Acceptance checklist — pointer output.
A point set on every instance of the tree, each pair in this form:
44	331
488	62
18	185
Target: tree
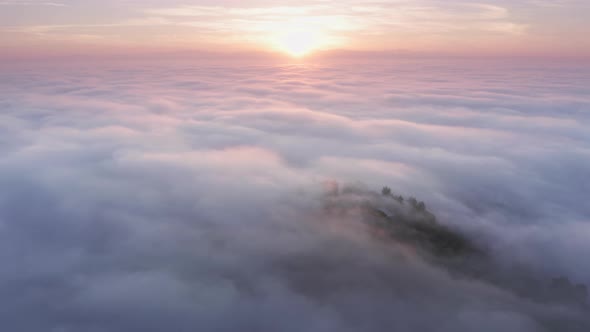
386	191
421	206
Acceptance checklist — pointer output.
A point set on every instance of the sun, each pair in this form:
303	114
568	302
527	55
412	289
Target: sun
298	43
299	36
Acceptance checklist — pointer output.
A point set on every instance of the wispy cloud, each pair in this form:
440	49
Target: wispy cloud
30	3
381	25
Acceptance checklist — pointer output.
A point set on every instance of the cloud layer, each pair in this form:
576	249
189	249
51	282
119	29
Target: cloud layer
159	197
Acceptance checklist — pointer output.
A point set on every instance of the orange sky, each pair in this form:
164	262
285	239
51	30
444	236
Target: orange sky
297	28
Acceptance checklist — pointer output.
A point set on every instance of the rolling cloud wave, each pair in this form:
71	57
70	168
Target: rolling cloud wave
177	197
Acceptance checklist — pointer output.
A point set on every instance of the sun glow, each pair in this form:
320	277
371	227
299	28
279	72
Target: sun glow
300	33
301	36
298	42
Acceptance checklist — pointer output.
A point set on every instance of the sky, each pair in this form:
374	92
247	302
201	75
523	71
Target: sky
433	27
221	169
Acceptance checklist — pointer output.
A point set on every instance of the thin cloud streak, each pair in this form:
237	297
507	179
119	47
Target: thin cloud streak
425	26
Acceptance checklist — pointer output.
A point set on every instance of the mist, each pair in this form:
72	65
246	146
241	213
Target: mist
183	197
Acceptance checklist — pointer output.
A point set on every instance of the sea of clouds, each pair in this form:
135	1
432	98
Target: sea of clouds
188	197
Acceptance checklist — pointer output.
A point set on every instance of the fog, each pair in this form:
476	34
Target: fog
184	197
